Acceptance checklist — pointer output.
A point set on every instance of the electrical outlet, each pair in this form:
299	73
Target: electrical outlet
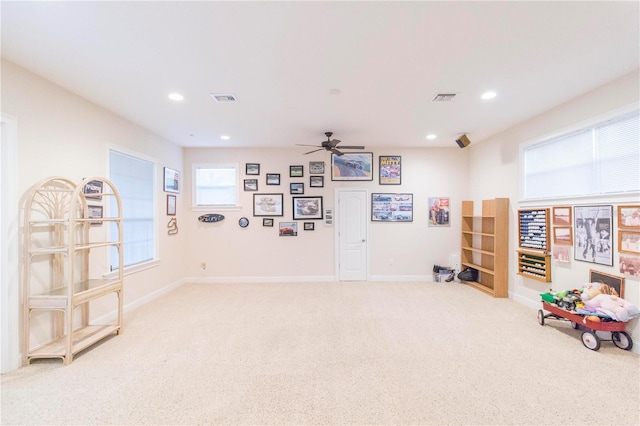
203	265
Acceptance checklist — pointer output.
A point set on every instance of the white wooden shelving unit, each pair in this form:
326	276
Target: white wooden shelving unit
61	242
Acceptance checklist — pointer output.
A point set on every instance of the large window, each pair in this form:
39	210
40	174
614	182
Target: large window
600	159
215	185
134	179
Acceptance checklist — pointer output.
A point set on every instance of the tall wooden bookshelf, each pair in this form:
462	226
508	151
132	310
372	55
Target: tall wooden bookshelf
485	244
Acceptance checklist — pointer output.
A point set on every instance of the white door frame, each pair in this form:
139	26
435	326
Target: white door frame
336	217
9	242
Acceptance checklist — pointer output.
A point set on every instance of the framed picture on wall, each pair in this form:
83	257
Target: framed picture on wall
252	169
316	167
316	181
171	180
439	212
251	184
611	280
562	216
267	204
389	172
93	190
629	217
562	235
392	207
95	212
171	205
629	241
352	166
593	234
296	171
296	188
288	229
273	178
307	208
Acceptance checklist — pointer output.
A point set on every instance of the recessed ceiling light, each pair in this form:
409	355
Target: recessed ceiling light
488	95
225	137
334	91
176	97
431	136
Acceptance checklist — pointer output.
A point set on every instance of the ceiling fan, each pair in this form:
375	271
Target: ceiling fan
330	145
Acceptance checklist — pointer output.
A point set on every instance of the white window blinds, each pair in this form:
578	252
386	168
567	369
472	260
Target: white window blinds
600	159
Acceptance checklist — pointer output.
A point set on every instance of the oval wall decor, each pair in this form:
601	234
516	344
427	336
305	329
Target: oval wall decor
211	217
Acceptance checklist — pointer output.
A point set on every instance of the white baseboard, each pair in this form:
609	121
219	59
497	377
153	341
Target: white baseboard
296	279
112	316
401	278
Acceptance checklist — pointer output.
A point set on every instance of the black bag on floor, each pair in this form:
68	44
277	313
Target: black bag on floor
468	274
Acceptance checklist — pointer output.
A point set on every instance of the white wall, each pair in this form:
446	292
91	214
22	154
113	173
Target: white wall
61	134
494	172
397	250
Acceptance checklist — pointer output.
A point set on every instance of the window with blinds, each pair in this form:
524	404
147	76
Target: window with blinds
215	185
134	179
598	160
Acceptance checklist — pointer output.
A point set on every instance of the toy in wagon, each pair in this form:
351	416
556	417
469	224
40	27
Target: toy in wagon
596	307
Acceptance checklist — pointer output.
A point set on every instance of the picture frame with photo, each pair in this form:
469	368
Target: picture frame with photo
251	184
611	280
288	229
171	180
171	205
629	266
296	188
352	166
268	204
563	235
273	178
307	208
95	212
92	190
439	211
593	234
389	170
391	207
628	241
562	216
629	217
316	167
252	169
268	222
296	171
309	226
316	181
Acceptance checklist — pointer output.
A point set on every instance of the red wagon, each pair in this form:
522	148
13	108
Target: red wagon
590	339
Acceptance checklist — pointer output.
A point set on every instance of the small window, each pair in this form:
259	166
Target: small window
215	185
600	159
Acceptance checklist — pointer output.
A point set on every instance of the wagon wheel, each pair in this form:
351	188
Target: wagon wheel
622	340
541	317
590	340
575	325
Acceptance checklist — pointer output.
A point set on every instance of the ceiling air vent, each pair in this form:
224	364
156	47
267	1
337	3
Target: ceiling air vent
224	98
443	97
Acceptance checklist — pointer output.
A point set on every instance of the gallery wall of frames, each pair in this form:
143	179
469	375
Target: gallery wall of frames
584	233
304	179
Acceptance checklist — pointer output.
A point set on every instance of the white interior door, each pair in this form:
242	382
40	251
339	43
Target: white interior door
352	227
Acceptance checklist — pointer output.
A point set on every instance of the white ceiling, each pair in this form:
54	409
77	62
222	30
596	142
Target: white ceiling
282	59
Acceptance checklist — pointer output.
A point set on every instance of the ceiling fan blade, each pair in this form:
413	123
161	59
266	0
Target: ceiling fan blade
315	150
352	147
302	144
336	152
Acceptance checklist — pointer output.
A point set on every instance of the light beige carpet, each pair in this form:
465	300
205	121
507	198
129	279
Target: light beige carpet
329	354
